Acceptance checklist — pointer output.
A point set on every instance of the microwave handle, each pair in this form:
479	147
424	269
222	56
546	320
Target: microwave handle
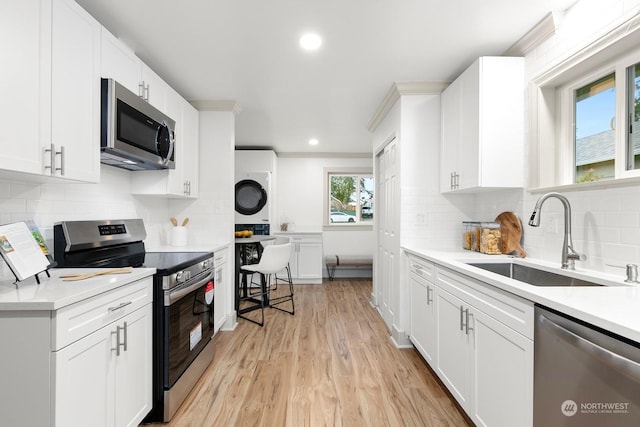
172	138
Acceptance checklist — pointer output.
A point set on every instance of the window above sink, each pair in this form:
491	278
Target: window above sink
585	127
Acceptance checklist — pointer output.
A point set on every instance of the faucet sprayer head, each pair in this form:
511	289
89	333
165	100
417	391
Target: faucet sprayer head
534	221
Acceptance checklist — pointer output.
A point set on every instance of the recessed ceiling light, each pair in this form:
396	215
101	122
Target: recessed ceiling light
310	41
313	141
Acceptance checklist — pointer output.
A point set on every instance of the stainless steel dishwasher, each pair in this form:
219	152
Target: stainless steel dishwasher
583	376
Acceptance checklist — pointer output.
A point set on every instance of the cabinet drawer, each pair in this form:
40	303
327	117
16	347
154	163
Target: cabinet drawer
509	309
422	268
82	318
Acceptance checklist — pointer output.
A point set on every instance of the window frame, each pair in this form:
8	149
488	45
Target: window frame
328	172
551	96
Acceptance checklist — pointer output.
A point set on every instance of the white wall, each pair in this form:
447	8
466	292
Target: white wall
300	200
606	222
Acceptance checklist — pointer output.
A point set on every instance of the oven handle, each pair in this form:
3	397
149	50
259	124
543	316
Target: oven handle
625	366
175	295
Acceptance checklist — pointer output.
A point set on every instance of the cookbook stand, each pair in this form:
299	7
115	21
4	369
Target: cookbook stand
36	275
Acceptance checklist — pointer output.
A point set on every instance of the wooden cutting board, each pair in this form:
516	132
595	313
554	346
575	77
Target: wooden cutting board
511	231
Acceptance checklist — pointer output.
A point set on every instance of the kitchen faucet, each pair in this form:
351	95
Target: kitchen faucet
569	255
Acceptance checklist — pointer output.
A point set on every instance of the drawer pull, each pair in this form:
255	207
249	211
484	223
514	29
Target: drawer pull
122	305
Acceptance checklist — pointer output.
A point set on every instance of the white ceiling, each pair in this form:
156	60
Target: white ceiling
247	51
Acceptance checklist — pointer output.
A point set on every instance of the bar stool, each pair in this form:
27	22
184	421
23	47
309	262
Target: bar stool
275	258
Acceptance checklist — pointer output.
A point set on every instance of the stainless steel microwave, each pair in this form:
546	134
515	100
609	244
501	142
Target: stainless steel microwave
134	135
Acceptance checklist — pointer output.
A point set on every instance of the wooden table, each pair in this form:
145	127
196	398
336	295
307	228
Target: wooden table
241	259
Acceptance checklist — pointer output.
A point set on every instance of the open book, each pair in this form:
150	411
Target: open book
23	249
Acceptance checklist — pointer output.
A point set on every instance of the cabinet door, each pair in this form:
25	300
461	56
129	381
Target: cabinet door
83	381
468	147
25	83
132	369
155	90
422	315
309	260
450	107
75	94
120	63
191	148
221	292
502	374
453	348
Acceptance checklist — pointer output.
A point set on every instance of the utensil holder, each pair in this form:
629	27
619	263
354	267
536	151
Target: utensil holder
179	236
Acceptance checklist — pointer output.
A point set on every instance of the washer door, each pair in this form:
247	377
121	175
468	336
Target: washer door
251	197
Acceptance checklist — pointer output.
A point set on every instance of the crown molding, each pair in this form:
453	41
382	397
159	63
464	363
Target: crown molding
399	89
221	105
330	155
540	32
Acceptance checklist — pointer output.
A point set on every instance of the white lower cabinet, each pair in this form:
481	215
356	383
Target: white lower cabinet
306	257
111	369
486	364
89	363
478	340
422	292
222	290
105	377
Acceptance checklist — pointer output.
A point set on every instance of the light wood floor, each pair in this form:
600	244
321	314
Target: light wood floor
332	364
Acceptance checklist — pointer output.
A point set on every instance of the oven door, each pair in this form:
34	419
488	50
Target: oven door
188	316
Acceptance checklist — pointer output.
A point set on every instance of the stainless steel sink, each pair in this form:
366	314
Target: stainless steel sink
532	276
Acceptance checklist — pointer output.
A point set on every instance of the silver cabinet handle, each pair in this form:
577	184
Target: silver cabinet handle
451	180
429	295
627	367
52	158
467	327
62	160
461	318
119	344
122	305
126	340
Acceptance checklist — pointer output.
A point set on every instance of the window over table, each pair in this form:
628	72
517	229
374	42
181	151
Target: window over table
349	198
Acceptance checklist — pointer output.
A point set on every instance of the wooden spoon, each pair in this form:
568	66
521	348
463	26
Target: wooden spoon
174	221
82	276
185	222
511	233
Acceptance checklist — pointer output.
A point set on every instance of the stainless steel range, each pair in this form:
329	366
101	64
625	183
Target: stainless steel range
183	300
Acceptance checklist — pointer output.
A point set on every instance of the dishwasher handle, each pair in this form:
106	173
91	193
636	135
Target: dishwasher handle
623	365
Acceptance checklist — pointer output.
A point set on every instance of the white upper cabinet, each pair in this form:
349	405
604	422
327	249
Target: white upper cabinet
183	180
75	92
50	89
154	90
25	28
483	127
120	63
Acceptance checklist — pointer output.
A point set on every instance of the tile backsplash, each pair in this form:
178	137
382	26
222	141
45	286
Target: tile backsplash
49	203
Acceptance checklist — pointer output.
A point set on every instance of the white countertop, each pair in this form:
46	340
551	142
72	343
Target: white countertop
615	307
53	293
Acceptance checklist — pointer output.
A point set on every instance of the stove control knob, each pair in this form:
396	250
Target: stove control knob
205	264
180	276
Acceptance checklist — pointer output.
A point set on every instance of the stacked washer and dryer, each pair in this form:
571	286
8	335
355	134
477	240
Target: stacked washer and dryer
255	190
